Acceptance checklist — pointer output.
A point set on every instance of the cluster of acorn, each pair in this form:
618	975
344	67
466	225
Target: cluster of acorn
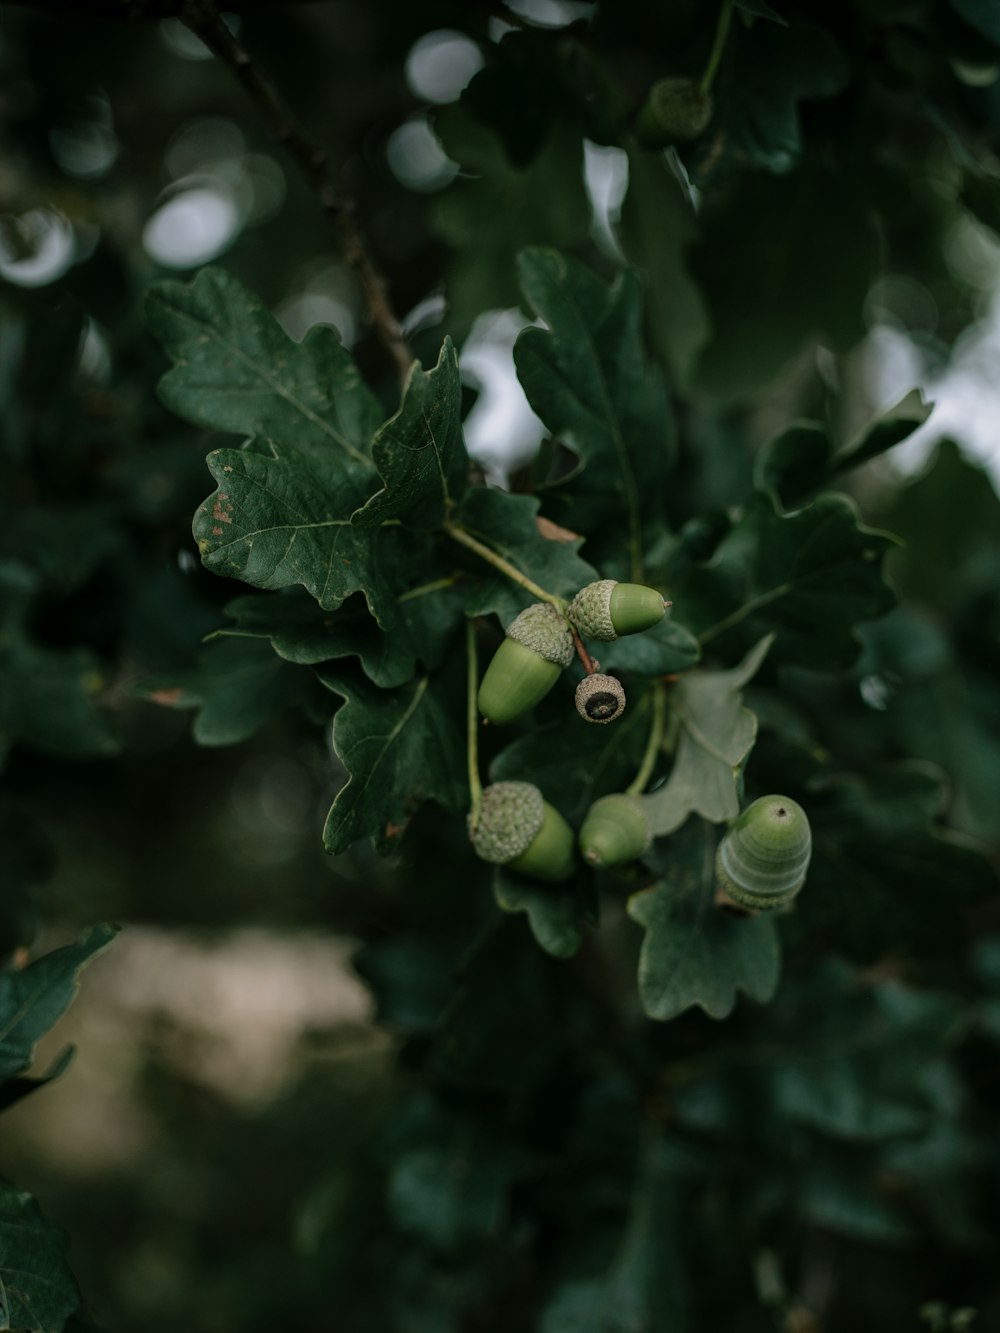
763	858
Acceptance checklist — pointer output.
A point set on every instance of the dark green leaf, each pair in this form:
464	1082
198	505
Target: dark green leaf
427	616
802	459
37	1290
280	518
15	1089
235	369
657	229
715	735
511	527
494	209
815	254
31	1000
554	912
48	697
400	748
589	379
664	650
759	9
239	685
694	953
809	577
420	453
774	69
981	14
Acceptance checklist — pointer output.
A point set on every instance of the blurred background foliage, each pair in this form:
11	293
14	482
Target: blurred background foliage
345	1093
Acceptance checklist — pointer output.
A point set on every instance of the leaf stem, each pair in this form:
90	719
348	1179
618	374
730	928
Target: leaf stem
653	743
718	46
741	613
436	585
466	539
205	21
472	726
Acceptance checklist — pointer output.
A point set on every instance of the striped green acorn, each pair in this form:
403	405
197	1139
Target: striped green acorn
675	110
600	698
762	861
539	644
606	609
517	828
615	830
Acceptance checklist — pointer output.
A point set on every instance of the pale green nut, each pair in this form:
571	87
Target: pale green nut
600	698
615	830
674	111
606	609
517	828
538	646
762	861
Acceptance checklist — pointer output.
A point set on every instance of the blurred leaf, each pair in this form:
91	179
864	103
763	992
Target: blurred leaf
32	999
15	1089
802	459
400	748
588	378
494	209
716	734
694	953
508	525
759	9
554	911
37	1289
981	14
657	227
782	262
645	1285
774	69
48	698
420	453
808	577
235	369
238	686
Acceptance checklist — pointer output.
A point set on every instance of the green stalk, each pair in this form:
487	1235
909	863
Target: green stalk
466	539
653	743
718	46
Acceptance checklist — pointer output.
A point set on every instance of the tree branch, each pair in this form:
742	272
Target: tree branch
204	20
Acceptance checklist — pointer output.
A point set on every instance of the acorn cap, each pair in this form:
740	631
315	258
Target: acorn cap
600	698
590	610
615	830
511	815
763	859
544	630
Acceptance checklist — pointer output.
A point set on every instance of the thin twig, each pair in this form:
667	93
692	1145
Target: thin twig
472	726
204	20
466	539
589	665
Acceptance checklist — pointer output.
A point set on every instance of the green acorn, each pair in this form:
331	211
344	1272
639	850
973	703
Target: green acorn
606	609
518	828
762	861
615	830
675	110
539	644
600	698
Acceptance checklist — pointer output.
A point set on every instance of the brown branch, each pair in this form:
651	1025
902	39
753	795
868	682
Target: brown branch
204	20
589	665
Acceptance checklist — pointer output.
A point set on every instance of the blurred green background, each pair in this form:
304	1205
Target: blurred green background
260	1129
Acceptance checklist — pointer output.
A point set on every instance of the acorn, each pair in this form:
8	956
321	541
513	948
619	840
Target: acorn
600	698
762	861
615	830
675	111
517	828
539	644
606	609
